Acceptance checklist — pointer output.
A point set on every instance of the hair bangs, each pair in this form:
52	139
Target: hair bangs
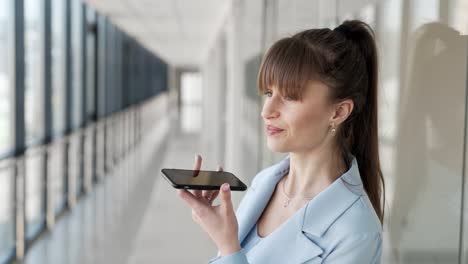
288	65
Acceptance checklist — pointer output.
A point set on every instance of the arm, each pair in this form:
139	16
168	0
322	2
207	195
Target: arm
363	248
236	258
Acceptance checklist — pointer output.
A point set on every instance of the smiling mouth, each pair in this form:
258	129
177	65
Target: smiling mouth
273	131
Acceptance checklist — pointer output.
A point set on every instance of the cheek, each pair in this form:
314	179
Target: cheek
310	123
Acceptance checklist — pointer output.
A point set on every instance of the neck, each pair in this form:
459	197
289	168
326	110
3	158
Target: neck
310	173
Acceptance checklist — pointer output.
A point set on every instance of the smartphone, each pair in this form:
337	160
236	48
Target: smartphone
202	179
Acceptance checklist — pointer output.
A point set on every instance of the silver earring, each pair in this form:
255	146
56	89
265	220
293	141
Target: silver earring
333	129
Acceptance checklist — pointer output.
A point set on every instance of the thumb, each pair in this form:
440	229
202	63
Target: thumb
226	196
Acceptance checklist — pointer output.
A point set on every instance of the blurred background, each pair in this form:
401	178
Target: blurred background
97	96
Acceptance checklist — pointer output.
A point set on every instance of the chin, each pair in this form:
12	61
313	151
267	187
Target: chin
277	147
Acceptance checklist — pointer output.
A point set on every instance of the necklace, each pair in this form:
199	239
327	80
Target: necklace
288	200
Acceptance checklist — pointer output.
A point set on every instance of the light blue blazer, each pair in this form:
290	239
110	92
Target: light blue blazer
338	226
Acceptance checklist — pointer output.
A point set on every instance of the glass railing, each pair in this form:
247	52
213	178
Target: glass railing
38	187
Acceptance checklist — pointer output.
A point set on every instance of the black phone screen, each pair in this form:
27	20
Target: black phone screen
202	180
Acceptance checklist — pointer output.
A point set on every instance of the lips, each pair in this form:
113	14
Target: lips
272	130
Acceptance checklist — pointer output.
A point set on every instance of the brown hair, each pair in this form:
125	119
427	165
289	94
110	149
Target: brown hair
345	59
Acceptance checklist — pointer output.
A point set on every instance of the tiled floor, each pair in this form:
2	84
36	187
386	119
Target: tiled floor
168	234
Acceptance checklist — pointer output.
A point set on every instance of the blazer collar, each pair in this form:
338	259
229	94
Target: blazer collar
312	220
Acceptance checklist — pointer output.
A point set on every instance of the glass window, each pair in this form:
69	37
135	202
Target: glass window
432	78
91	63
77	87
58	66
389	34
5	90
457	15
76	43
191	101
424	11
33	109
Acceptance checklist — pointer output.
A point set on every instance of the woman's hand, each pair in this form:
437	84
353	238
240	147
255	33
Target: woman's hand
218	221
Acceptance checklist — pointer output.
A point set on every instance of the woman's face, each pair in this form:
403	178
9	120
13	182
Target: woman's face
297	126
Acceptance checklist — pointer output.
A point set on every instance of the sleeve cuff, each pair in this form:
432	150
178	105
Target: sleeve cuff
235	258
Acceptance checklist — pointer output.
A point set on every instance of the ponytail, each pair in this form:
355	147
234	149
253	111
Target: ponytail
362	139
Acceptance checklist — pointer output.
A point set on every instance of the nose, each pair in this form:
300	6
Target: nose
269	111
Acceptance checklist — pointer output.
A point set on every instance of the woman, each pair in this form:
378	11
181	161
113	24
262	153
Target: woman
317	205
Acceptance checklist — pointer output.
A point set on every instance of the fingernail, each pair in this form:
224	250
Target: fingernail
225	187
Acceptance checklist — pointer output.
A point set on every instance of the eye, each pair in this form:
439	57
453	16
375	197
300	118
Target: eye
267	93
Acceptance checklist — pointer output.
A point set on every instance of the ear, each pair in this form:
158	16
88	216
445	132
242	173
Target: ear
342	111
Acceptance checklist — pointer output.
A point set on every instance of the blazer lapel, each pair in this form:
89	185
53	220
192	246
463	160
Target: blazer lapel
287	243
258	196
298	239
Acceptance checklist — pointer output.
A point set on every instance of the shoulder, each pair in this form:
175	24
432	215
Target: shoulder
359	216
359	219
261	175
355	235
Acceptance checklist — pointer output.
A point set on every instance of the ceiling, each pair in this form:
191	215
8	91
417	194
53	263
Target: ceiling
179	31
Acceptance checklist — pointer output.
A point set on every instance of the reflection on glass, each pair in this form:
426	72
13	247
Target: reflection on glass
5	96
7	219
425	215
33	90
35	204
58	65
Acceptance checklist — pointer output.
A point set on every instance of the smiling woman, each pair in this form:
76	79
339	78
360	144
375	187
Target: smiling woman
326	81
322	203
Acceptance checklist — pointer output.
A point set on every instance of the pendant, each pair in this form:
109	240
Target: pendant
286	203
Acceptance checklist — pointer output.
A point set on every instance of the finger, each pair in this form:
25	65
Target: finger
207	194
190	199
197	167
226	202
215	193
198	162
210	195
